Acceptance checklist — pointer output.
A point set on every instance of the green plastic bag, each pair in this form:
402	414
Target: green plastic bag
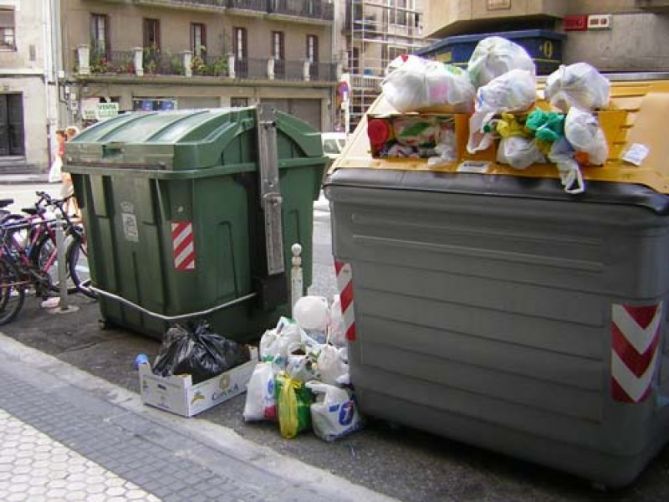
293	401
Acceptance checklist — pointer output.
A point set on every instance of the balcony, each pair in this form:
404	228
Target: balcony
193	5
151	62
311	11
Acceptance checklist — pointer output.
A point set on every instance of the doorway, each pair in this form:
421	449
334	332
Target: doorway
11	125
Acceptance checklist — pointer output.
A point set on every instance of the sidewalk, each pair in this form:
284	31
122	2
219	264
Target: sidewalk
66	434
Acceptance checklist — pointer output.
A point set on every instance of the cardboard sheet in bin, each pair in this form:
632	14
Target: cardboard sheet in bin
178	394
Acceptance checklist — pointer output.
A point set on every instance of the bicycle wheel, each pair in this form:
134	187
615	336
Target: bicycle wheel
45	255
77	265
12	291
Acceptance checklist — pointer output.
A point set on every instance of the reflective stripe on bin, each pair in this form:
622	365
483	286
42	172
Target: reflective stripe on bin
345	285
635	332
183	245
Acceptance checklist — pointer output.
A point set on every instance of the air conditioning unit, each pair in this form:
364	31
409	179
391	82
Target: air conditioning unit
599	22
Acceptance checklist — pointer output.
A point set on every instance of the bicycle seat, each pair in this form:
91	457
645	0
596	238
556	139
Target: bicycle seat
6	202
32	211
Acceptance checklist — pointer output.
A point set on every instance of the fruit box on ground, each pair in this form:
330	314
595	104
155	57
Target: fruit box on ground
177	393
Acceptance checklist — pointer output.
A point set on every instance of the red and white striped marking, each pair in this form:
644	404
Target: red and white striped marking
183	245
345	285
635	338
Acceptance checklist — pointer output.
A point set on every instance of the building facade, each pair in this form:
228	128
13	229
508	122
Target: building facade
185	54
27	91
613	35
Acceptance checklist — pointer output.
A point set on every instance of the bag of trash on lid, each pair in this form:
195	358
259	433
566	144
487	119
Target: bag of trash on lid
414	83
293	402
495	56
514	91
584	134
334	414
198	352
562	155
260	399
312	315
578	84
519	152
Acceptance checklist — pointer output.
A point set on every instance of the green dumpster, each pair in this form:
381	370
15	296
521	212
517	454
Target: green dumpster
191	214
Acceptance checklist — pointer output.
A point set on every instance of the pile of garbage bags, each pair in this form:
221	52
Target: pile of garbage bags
302	381
499	89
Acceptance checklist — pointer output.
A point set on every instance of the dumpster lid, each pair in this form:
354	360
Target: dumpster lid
180	140
636	115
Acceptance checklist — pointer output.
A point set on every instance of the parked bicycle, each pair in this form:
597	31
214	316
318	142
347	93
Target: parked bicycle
29	255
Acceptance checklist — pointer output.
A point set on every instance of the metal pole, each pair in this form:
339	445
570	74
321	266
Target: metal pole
296	282
62	266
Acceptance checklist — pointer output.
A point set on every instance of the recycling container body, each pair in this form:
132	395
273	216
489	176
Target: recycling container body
174	217
497	310
543	46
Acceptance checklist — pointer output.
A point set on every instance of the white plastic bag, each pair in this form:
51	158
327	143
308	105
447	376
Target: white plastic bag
414	83
302	367
337	327
312	315
583	132
334	414
512	92
56	170
260	400
562	155
519	152
276	344
579	85
332	365
495	56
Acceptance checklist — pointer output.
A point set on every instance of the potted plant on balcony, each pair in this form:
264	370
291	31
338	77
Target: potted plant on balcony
100	63
151	58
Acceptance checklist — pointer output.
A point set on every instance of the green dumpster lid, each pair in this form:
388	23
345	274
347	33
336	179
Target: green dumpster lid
187	140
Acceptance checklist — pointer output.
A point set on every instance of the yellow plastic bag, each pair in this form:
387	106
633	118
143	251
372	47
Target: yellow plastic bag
293	401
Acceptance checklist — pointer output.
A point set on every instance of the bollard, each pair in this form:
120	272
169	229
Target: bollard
62	266
296	282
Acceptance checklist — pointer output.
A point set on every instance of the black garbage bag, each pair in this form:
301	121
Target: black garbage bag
196	351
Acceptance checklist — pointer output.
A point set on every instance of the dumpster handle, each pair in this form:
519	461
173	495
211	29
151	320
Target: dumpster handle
174	317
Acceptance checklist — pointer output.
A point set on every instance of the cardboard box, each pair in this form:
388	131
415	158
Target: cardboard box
177	394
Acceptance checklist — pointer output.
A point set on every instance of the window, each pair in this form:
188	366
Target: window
198	39
239	43
7	35
312	48
100	35
152	33
278	51
398	15
237	102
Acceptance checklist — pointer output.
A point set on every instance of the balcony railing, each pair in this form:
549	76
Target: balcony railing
154	62
313	9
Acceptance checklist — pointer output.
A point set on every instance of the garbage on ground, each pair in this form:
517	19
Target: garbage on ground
293	401
292	362
495	56
578	84
312	315
178	393
334	413
197	352
260	399
412	136
414	83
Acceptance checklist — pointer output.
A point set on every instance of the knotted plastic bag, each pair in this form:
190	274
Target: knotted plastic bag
579	85
562	155
312	315
332	365
584	134
414	83
293	401
276	344
495	56
198	352
519	152
334	414
260	399
512	92
545	126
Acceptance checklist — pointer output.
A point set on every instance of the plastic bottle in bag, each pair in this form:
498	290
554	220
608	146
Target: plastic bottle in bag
495	56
